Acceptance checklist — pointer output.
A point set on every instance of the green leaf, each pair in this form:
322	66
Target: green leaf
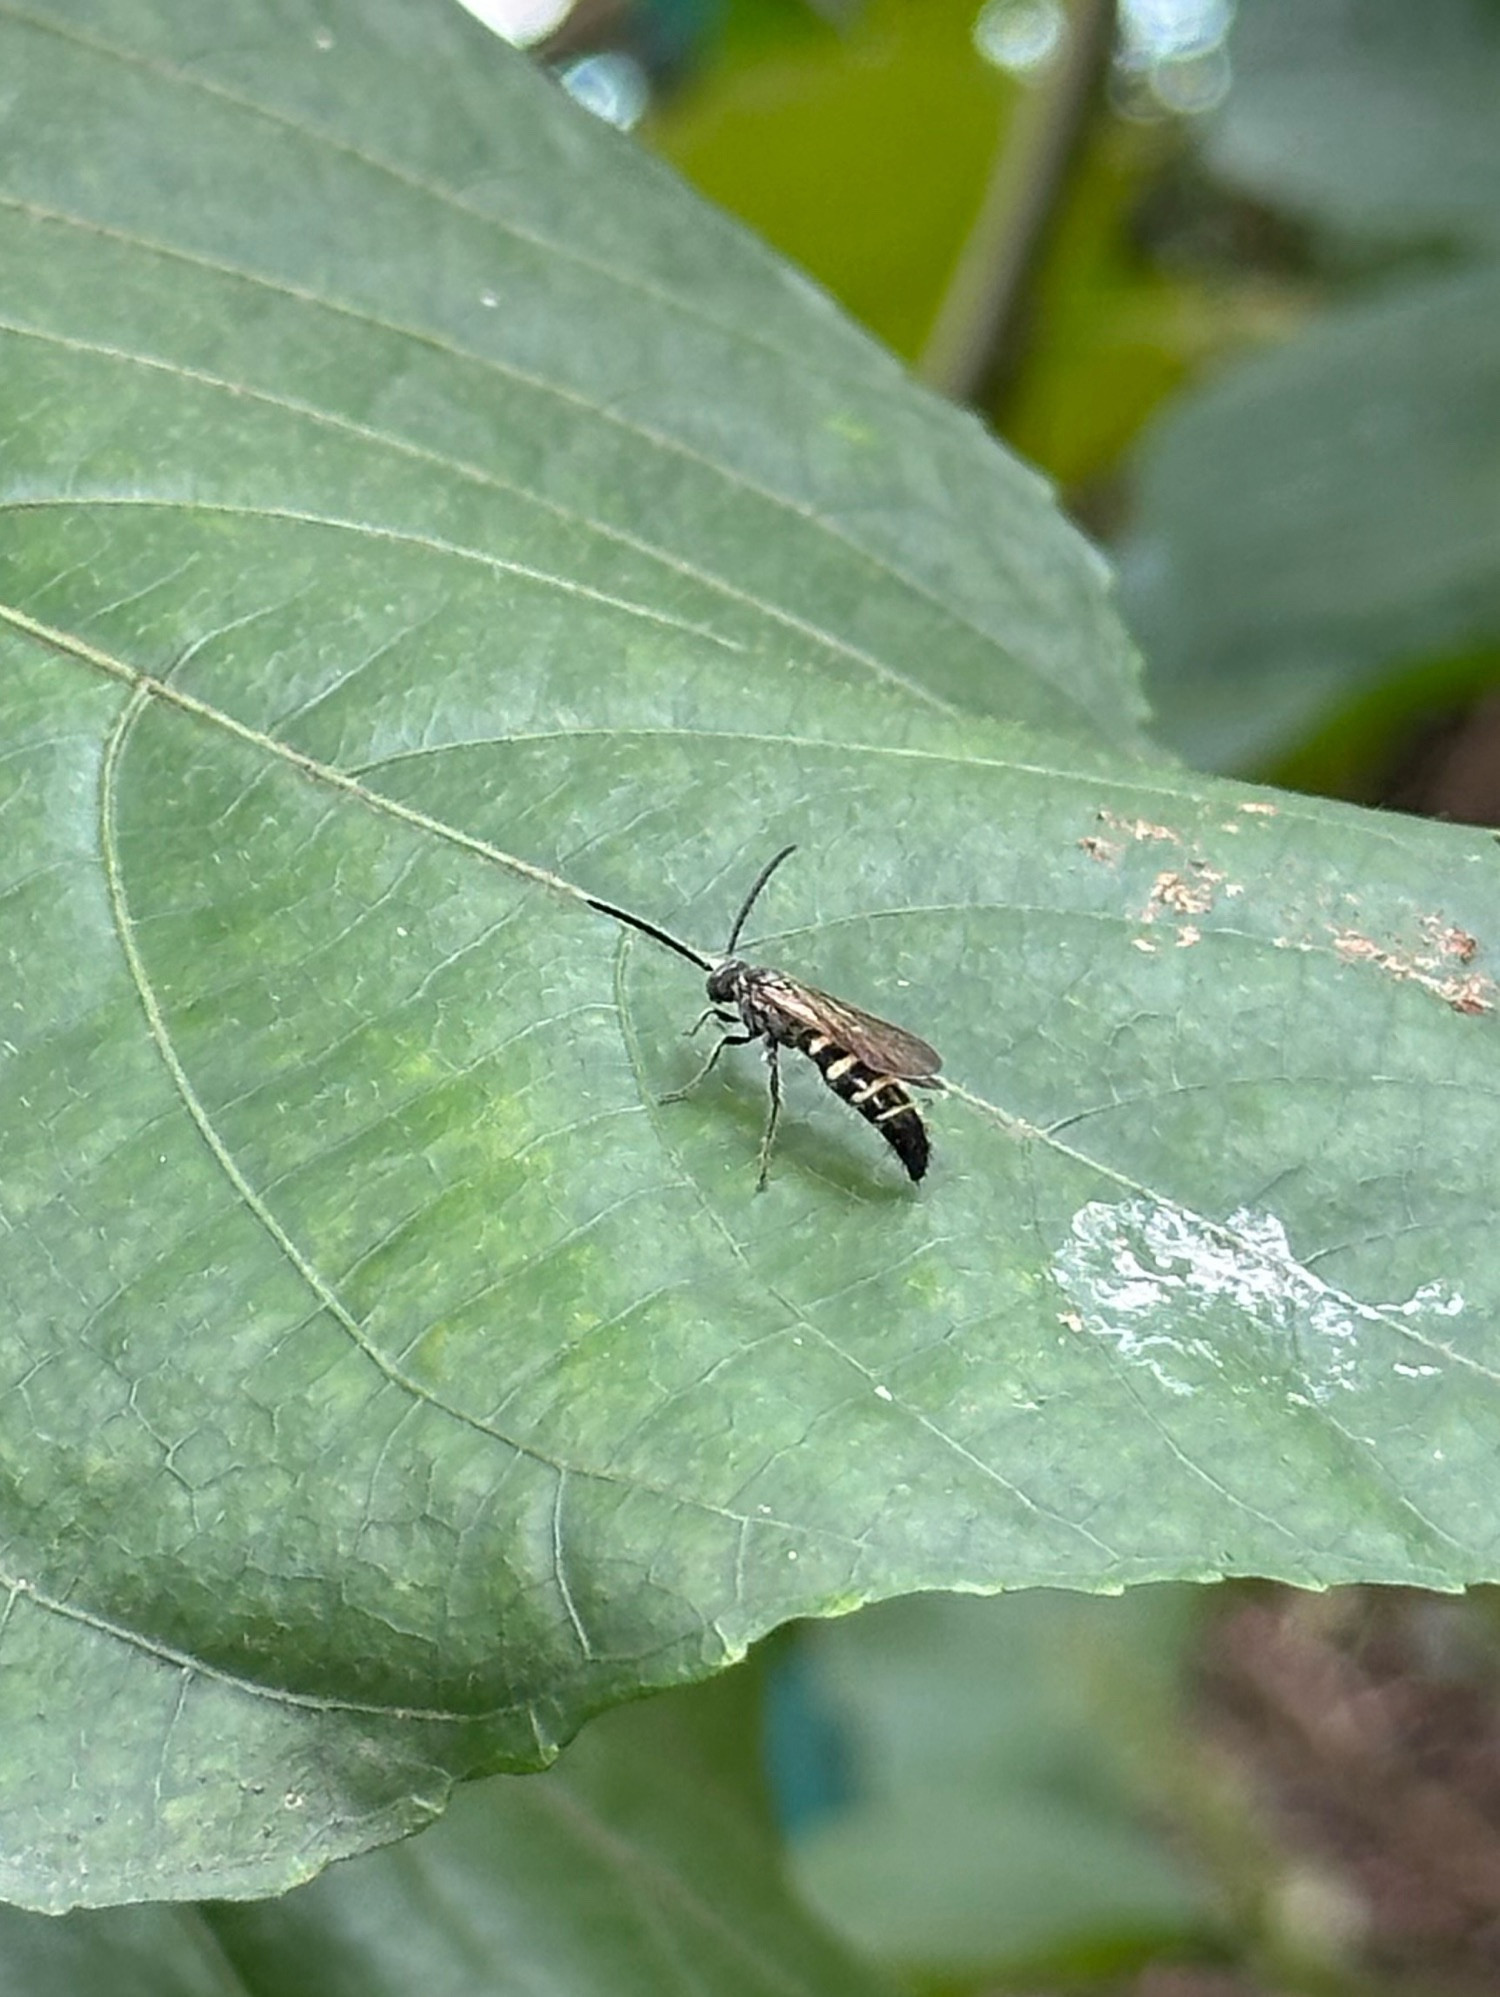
420	514
434	321
1318	516
1377	118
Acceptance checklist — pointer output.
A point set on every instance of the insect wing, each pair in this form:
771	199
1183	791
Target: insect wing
887	1049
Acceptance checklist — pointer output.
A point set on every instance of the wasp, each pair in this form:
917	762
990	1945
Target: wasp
868	1062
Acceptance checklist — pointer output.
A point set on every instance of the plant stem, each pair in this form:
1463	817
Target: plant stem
979	334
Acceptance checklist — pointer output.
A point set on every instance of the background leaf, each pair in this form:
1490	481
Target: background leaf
114	1952
1376	117
645	1861
1319	515
1004	1762
408	488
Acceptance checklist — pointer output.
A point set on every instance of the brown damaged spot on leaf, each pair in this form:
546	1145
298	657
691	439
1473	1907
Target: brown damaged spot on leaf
1185	894
1470	995
1140	828
1103	850
1449	941
1180	896
1177	892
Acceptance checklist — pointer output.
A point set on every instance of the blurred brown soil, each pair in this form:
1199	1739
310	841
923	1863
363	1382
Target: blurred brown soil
1363	1727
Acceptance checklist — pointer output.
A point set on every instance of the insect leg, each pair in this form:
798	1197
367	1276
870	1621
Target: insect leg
710	1012
773	1066
729	1040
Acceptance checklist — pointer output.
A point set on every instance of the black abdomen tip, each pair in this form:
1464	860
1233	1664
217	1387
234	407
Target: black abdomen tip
880	1100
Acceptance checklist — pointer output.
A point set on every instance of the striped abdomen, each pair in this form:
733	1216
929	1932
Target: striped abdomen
880	1099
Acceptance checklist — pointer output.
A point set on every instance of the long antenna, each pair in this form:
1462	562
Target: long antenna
675	943
650	929
760	880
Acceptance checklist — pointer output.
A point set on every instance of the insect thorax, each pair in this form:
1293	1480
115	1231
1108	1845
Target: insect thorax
726	981
752	990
